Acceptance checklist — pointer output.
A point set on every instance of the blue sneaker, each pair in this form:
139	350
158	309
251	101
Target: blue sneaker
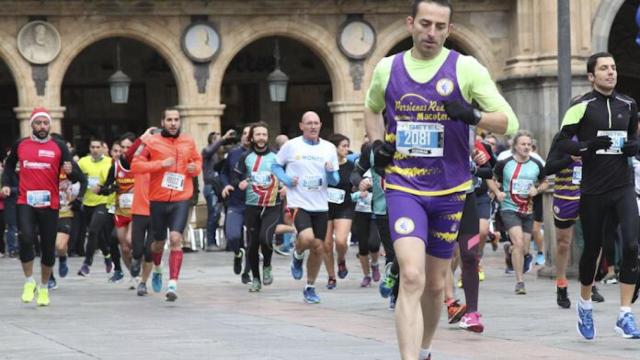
626	326
540	260
63	269
528	261
116	277
156	281
585	323
52	284
310	296
388	282
296	266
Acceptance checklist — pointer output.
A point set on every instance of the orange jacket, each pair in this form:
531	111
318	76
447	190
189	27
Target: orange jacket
174	183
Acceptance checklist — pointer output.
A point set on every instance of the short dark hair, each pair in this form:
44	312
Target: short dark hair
337	138
127	136
446	3
170	108
94	139
593	60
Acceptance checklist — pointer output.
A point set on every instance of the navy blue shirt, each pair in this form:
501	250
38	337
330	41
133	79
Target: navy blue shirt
236	197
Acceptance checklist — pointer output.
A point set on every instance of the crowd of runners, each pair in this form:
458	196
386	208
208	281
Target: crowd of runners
432	184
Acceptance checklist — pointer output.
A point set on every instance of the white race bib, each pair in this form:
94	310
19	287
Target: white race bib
311	183
364	204
521	186
577	175
420	139
173	181
125	201
336	196
39	198
618	137
93	181
261	178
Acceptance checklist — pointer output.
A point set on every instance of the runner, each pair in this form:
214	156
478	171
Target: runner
253	175
40	160
171	159
95	167
427	93
605	124
311	164
363	226
340	214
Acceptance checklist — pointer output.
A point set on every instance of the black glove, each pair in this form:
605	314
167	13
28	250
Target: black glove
382	155
76	205
599	142
459	111
630	148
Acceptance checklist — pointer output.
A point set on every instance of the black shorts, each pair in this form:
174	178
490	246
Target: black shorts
340	211
64	225
316	220
512	218
168	215
483	206
537	208
563	224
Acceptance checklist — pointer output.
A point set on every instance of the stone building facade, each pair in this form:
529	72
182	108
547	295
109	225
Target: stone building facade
514	39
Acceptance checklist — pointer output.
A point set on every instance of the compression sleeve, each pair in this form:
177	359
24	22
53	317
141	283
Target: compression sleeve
279	172
333	177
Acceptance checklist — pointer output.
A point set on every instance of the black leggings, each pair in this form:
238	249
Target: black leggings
97	219
593	211
46	221
361	227
382	222
261	224
141	238
468	242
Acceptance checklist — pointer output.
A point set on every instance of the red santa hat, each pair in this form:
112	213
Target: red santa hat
39	112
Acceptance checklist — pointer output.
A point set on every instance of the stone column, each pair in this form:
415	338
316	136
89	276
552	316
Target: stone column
199	120
348	119
23	115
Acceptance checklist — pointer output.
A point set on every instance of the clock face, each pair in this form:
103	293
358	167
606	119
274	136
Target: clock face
357	39
200	42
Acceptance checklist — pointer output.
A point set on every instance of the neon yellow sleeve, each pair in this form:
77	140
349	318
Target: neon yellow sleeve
375	95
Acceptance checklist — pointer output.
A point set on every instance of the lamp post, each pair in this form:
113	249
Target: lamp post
277	79
119	82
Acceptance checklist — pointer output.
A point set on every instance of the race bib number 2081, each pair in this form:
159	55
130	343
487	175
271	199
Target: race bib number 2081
420	139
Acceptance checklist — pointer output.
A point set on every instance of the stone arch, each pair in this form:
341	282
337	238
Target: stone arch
602	21
152	35
18	67
316	38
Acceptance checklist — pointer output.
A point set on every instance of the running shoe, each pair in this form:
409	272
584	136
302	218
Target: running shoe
540	260
283	250
626	326
388	282
528	262
171	295
459	283
133	282
610	279
142	289
520	290
108	265
375	272
255	285
310	296
156	280
481	274
332	283
52	284
237	262
296	266
135	267
585	322
455	311
562	297
43	297
267	276
471	322
28	291
245	278
392	303
63	269
85	270
595	295
366	281
507	259
116	277
342	269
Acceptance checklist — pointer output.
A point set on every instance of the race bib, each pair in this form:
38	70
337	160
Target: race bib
63	198
93	181
577	175
125	201
364	204
173	181
521	186
39	198
618	137
111	209
420	139
261	178
336	196
311	183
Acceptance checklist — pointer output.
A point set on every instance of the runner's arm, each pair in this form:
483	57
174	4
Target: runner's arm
142	164
132	150
110	184
10	165
556	159
196	159
78	176
278	171
239	172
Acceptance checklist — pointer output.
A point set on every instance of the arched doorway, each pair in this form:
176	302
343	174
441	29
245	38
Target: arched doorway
246	95
8	101
86	93
623	47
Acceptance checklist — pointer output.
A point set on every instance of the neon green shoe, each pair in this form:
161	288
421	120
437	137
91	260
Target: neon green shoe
28	291
43	297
